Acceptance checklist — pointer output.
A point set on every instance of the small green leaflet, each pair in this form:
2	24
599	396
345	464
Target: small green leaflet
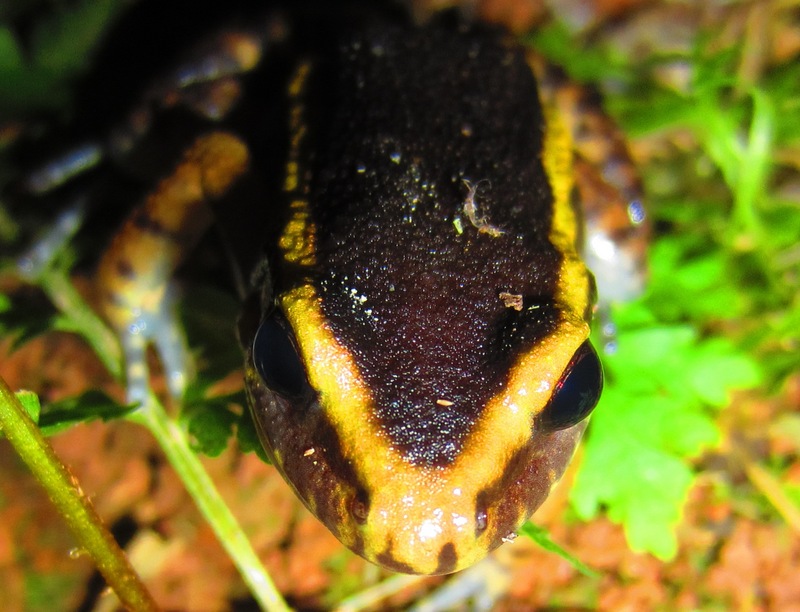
92	405
655	415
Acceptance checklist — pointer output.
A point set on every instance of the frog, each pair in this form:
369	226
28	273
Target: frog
416	334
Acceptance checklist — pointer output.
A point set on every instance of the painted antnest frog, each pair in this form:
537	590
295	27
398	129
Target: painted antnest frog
417	354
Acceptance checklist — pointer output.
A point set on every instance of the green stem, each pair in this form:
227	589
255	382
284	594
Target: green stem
172	439
68	498
55	282
753	170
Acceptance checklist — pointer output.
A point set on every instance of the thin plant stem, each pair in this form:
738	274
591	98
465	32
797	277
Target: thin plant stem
173	441
74	506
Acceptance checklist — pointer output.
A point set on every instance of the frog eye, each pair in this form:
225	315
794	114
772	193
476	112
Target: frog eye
577	393
277	360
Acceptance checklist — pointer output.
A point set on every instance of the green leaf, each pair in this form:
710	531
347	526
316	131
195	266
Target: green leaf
42	589
643	486
210	426
793	493
30	401
209	420
654	110
89	406
651	360
717	369
783	86
691	285
592	63
25	314
10	56
542	538
64	42
652	419
61	44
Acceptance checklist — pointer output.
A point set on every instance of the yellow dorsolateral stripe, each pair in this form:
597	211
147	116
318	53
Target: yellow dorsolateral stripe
574	285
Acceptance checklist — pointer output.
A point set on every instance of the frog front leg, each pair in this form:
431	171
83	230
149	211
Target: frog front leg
134	275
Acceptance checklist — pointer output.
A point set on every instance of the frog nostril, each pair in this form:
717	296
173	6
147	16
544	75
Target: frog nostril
359	507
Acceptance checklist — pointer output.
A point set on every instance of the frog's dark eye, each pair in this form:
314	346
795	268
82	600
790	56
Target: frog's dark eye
277	360
577	392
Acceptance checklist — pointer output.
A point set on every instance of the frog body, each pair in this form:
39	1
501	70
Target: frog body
416	344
